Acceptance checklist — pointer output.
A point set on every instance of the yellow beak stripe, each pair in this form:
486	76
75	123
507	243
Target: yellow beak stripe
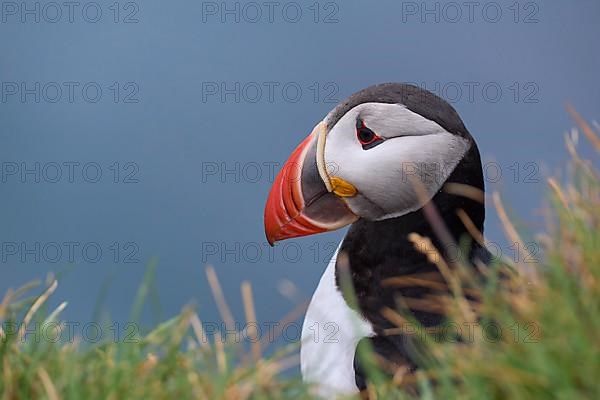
333	184
342	188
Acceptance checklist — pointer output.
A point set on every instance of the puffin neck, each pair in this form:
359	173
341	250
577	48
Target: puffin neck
378	250
392	234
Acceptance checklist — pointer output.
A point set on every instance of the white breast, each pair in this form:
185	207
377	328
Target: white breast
330	334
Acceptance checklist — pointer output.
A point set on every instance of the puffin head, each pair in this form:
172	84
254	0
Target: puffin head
382	153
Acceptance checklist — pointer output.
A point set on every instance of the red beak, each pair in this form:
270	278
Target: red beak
299	203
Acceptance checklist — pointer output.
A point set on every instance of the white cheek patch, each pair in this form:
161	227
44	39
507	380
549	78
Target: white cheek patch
417	150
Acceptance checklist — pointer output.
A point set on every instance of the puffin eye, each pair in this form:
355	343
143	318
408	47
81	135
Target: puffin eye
367	138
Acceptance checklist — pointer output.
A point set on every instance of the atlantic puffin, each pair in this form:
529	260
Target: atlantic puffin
362	166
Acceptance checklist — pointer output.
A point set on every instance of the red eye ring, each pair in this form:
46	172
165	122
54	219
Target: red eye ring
365	135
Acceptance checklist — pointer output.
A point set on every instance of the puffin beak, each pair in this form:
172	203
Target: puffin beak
303	199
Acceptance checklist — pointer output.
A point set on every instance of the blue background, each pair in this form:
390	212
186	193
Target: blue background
174	131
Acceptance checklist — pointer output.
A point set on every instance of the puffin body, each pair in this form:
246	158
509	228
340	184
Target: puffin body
330	335
387	161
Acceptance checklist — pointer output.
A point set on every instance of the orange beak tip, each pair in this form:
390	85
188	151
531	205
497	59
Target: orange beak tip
284	218
288	214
